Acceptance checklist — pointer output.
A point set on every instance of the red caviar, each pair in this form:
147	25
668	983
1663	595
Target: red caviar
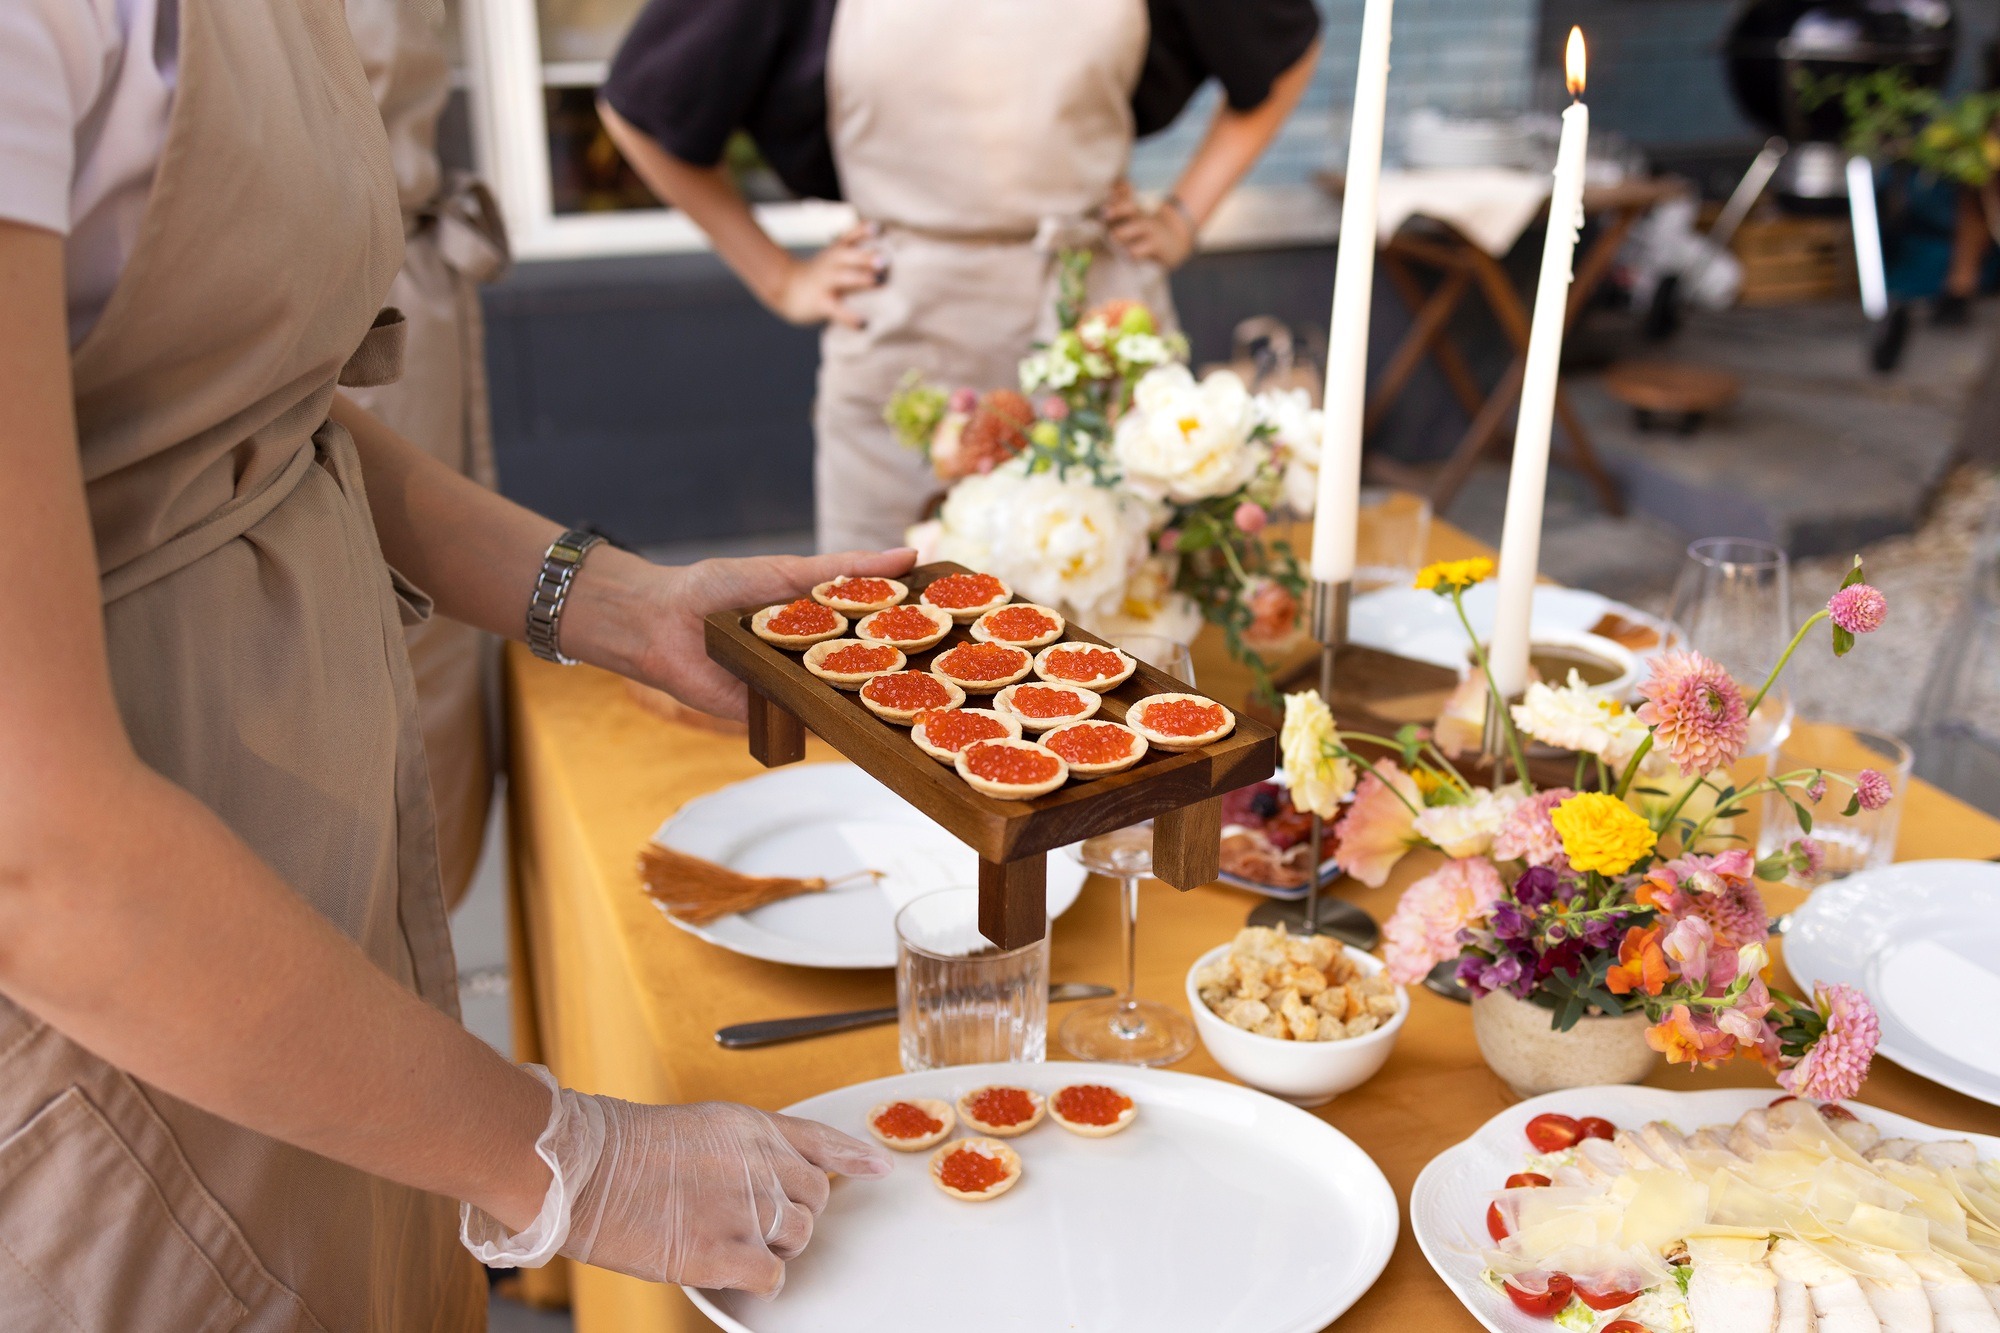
861	592
953	729
1001	1106
1084	664
1018	624
901	1120
907	690
1091	743
970	1171
1184	717
1043	701
1012	765
1091	1104
899	624
802	617
856	658
960	592
981	661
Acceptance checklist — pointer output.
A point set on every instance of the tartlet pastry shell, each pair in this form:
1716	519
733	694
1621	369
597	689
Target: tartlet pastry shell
1100	685
760	622
1039	641
978	1126
970	613
1136	713
943	672
1092	701
1125	1117
824	597
903	717
937	1110
848	680
944	756
940	626
1089	771
991	1148
1011	791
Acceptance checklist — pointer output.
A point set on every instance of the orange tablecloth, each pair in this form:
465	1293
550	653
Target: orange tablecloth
616	1000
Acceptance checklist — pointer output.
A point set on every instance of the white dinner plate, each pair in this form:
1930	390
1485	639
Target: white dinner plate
829	820
1448	1203
1920	939
1422	626
1219	1208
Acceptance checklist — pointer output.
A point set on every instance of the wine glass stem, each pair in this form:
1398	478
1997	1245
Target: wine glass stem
1128	905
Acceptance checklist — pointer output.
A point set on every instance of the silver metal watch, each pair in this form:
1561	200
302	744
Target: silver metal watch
559	566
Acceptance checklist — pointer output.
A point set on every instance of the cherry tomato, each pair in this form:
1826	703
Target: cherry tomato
1527	1180
1595	1127
1552	1133
1547	1303
1496	1226
1624	1326
1608	1299
1780	1101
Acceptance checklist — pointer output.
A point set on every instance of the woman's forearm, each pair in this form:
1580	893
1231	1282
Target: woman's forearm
1236	139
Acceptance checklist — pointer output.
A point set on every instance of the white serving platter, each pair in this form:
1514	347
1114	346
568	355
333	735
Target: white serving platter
829	820
1921	939
1448	1203
1219	1208
1422	626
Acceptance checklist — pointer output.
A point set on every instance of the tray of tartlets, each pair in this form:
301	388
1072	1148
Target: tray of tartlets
1014	729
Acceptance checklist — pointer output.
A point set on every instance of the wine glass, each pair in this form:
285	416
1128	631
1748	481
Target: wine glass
1732	603
1957	732
1126	1029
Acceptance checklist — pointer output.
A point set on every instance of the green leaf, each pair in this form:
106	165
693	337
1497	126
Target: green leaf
1843	642
1853	806
1804	815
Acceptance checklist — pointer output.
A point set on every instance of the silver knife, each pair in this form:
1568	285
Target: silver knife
773	1031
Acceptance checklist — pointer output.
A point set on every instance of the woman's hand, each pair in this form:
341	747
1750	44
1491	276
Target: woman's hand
814	291
1162	234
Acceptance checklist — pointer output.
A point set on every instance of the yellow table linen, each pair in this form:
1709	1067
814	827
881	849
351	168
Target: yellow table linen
616	1000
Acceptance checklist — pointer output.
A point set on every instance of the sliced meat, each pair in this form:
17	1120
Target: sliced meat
1733	1298
1895	1150
1944	1156
1957	1303
1897	1295
1795	1311
1838	1303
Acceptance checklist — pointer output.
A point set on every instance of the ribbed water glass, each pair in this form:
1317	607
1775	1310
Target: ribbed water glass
959	1000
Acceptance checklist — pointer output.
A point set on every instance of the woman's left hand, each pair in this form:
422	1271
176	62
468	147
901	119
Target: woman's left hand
1161	234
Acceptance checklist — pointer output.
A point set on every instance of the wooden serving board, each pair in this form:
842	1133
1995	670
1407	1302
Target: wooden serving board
1180	792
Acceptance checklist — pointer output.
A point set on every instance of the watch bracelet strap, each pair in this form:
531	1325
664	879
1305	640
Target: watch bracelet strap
545	607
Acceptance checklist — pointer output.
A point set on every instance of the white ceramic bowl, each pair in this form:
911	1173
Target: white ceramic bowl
1304	1073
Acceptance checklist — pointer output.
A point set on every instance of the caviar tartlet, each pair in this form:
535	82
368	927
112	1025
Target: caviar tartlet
850	663
1094	749
913	1125
1094	666
1011	770
975	1170
966	597
981	668
1043	706
1023	624
1002	1110
1180	721
942	733
798	625
898	696
911	628
857	597
1092	1110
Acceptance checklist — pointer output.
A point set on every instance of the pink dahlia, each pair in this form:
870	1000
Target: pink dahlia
1833	1069
1423	931
1529	835
1858	608
1696	712
1872	789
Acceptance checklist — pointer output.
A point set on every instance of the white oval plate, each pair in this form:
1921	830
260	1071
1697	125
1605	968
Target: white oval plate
1219	1208
829	820
1920	939
1422	626
1448	1203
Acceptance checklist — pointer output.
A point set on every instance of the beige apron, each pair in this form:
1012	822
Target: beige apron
981	136
453	242
258	659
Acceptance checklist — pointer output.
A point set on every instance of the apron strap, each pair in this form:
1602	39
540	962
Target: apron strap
379	358
471	237
211	535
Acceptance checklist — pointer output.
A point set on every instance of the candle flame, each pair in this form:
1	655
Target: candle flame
1573	62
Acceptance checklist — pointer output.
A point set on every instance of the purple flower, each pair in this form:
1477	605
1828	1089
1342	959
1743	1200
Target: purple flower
1538	886
1601	932
1858	608
1816	792
1509	922
1872	789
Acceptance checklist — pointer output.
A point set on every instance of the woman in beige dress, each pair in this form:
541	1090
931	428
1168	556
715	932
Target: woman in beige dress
975	140
234	1093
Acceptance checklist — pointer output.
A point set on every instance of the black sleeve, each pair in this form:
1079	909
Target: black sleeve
1244	44
690	73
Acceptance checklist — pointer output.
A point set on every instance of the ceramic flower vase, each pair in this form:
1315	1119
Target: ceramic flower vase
1524	1049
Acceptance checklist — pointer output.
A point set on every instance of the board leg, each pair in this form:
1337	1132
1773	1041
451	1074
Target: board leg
1187	844
1014	901
777	737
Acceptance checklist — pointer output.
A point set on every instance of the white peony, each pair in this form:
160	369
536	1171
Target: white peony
1296	429
1317	778
1184	441
1068	543
1467	830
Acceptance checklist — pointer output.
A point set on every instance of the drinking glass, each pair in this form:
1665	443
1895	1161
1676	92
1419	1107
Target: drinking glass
1957	731
1393	530
1860	841
1126	1029
959	1000
1733	603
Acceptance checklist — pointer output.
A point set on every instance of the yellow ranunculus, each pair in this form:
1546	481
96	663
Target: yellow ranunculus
1317	776
1601	833
1445	575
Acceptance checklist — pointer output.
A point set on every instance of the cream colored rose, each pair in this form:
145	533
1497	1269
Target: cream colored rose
1068	543
1184	441
1467	830
1318	778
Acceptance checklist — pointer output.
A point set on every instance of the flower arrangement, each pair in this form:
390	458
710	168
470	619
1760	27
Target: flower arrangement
1608	900
1118	487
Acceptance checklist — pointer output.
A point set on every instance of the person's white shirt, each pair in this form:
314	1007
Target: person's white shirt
86	88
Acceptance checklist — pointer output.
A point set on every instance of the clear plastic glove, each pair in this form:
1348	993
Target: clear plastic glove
708	1195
